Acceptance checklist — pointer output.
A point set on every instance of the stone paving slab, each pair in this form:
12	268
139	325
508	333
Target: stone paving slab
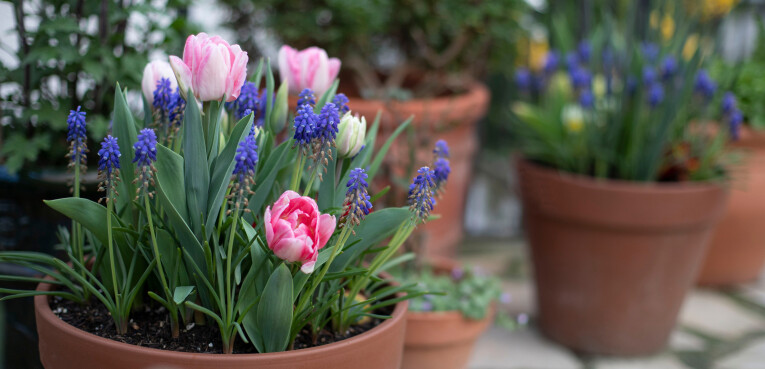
522	349
716	315
750	357
663	361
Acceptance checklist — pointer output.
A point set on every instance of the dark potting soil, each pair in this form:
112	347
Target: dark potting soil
150	327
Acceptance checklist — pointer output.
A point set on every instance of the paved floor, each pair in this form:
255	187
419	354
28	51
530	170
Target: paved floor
717	329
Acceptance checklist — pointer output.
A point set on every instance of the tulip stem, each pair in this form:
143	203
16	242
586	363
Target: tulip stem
310	181
341	239
296	174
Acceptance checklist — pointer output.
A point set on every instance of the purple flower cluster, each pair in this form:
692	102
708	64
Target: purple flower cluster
421	201
108	166
732	114
145	155
357	200
250	98
77	138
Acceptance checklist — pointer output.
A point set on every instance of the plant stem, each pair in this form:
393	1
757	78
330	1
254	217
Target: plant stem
229	292
77	239
168	295
109	205
341	239
310	181
297	173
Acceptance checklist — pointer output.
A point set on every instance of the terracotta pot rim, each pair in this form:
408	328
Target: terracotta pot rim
44	312
473	88
621	185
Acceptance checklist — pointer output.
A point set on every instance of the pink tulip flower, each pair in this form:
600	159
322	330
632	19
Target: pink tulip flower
296	231
211	68
152	73
309	68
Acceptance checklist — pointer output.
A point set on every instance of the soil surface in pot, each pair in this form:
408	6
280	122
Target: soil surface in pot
149	327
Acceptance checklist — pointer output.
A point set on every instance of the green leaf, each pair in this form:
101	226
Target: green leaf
89	214
270	169
196	169
123	128
384	149
376	227
181	293
222	169
326	197
274	314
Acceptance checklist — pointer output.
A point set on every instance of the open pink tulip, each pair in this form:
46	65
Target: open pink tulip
152	73
296	231
211	67
309	68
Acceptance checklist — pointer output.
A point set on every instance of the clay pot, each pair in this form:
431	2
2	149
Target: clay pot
441	340
613	260
63	346
737	251
449	118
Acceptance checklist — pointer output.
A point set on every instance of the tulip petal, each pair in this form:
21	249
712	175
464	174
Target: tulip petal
182	74
289	249
325	229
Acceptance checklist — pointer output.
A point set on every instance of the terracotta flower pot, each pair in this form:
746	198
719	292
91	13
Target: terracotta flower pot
63	346
449	118
613	260
441	340
737	251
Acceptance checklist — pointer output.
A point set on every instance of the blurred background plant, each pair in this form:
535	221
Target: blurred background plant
619	104
467	290
392	48
68	53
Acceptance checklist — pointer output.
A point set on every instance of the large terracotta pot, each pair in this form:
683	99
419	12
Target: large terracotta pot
63	346
737	251
613	260
449	118
444	339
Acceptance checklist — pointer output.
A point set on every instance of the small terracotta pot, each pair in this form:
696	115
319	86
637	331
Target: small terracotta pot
613	260
449	118
737	251
441	340
63	346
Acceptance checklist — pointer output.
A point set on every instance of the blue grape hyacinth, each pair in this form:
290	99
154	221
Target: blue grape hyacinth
728	103
421	201
441	170
441	150
655	95
77	138
305	125
306	97
145	155
243	176
341	102
109	166
551	62
704	85
587	99
523	79
357	199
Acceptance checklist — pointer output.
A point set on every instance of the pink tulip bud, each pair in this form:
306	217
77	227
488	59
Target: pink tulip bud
152	73
309	68
211	67
296	231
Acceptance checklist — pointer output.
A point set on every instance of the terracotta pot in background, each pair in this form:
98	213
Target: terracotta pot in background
441	340
63	346
737	251
613	260
450	118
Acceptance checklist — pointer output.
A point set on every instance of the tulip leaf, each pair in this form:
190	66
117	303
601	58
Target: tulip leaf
384	149
279	117
377	226
269	93
273	318
327	96
89	214
170	189
124	129
196	169
222	169
181	293
326	197
267	175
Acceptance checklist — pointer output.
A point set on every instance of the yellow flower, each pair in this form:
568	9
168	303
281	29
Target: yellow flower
572	117
538	49
667	27
690	47
599	85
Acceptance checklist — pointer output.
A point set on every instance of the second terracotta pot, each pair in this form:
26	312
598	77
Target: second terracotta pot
613	260
737	251
450	118
443	339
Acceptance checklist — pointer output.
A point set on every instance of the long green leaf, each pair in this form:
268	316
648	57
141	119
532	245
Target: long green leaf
124	129
274	314
196	169
376	227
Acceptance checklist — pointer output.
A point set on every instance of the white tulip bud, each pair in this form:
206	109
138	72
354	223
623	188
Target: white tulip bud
352	132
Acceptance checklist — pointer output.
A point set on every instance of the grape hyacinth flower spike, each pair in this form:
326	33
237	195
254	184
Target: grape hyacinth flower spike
243	177
249	99
441	167
357	200
305	125
78	145
324	137
109	167
145	156
306	97
341	102
421	200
